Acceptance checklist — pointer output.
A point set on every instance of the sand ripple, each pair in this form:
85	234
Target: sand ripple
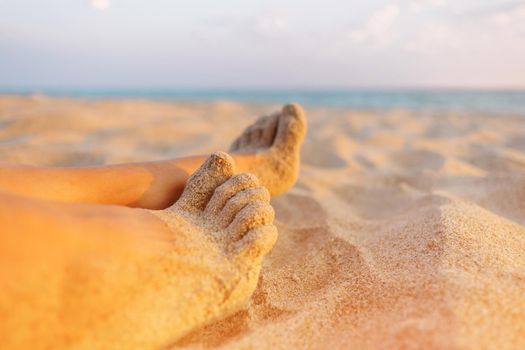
404	231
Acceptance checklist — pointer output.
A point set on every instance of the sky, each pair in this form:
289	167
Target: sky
262	44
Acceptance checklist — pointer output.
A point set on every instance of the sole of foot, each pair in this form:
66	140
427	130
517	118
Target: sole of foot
275	143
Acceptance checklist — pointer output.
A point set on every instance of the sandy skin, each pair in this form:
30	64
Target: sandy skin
269	149
273	145
222	227
141	278
406	229
138	289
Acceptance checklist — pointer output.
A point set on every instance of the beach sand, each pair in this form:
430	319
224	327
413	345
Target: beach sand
404	231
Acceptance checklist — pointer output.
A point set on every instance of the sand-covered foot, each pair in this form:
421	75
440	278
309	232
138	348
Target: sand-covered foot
222	227
275	142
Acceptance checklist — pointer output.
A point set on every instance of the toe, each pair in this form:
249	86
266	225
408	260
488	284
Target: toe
244	140
200	187
256	243
229	189
270	130
256	135
235	145
255	214
241	200
262	133
261	122
247	136
291	128
259	134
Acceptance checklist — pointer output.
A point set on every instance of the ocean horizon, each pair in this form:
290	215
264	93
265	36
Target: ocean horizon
464	100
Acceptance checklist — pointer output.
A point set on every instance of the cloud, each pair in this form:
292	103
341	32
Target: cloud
435	38
377	29
270	25
483	34
512	20
262	26
100	4
418	6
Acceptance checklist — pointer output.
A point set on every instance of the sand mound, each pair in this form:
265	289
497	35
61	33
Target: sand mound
404	231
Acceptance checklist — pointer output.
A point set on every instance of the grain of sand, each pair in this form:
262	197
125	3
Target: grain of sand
405	230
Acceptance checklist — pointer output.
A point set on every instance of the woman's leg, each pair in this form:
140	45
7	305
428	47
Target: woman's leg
97	276
152	185
269	149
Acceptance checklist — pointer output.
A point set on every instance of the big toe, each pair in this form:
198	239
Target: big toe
291	128
216	170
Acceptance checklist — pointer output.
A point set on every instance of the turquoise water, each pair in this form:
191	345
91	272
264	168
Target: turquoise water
512	102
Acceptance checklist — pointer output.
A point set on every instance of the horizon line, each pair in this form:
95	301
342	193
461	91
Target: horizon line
255	89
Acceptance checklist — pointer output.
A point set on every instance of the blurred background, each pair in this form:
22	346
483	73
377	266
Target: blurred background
462	54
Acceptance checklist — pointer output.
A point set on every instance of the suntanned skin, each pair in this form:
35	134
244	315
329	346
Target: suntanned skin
84	264
149	185
269	149
91	276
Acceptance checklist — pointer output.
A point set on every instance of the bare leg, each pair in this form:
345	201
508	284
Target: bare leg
269	149
151	185
95	277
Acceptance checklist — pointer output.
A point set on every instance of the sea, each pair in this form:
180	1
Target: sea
485	101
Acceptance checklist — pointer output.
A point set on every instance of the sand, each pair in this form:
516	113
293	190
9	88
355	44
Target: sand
405	230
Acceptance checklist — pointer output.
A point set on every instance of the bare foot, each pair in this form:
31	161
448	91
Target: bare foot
222	227
275	141
203	266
